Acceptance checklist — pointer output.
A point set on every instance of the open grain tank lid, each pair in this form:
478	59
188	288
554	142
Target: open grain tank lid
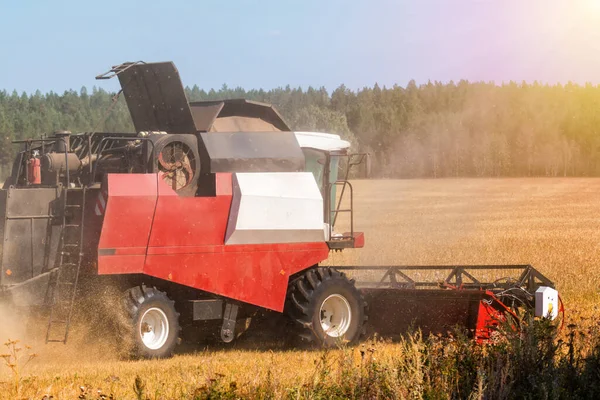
156	99
157	102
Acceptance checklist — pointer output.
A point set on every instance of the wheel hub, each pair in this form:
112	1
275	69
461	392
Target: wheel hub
336	315
154	328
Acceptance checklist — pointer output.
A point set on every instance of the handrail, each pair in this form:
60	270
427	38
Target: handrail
337	210
117	69
100	150
349	165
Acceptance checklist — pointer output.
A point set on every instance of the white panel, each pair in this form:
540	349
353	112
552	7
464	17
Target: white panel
321	141
546	302
275	207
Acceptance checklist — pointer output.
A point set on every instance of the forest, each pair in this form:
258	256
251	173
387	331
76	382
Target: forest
433	130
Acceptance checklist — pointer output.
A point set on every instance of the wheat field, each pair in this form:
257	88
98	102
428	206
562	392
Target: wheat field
552	224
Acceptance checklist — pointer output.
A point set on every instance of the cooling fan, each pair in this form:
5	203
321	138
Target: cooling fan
177	165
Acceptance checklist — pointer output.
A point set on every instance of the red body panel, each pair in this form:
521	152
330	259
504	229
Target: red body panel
255	277
127	222
492	312
359	239
191	221
148	229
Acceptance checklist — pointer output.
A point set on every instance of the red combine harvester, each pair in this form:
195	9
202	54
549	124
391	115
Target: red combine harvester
217	211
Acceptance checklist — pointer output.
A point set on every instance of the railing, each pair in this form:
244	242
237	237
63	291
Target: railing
117	69
488	277
347	239
84	145
338	210
100	150
352	160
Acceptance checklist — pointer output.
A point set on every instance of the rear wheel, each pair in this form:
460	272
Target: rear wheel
327	307
154	320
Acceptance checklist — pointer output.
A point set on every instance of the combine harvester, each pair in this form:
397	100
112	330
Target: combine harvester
217	211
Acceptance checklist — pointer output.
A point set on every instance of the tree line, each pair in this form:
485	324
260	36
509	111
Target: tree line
430	130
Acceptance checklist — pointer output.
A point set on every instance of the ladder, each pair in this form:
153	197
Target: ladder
62	288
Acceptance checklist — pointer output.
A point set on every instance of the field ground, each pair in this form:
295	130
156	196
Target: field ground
552	223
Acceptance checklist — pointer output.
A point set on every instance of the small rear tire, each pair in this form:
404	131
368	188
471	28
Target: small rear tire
327	307
154	321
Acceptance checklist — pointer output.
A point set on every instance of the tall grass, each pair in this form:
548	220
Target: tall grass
535	363
531	364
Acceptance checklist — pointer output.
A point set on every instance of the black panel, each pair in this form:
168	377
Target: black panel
432	311
156	99
251	152
205	113
29	237
204	310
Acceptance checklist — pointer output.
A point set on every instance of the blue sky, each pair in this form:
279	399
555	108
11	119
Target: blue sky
59	45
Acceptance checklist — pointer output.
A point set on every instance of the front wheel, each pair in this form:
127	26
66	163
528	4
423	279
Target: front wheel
154	320
327	307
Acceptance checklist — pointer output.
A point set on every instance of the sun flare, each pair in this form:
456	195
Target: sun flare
592	5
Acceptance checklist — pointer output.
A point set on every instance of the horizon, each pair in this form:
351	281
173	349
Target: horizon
99	88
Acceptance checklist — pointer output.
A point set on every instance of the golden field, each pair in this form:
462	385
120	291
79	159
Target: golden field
551	223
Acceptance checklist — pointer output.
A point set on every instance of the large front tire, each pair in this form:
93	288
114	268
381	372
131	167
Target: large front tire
154	320
327	307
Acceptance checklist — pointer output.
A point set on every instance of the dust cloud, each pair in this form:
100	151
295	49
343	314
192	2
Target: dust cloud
12	324
99	331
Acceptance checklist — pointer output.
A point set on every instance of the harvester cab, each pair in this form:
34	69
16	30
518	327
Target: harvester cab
214	212
331	161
